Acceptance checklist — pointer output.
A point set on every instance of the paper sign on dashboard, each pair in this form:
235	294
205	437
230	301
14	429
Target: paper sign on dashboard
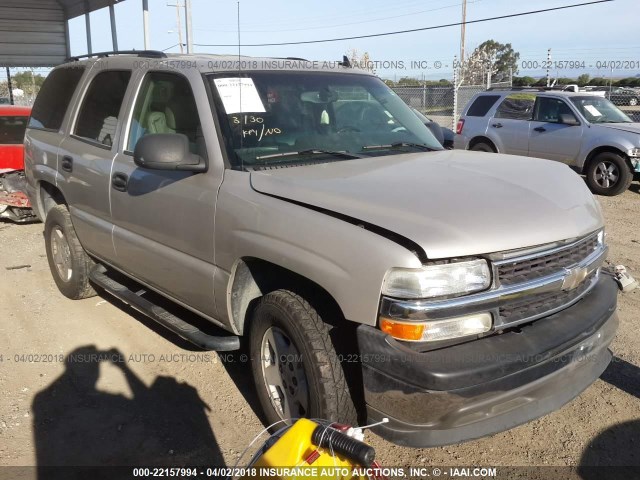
239	95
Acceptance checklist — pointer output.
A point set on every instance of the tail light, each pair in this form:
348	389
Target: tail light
460	126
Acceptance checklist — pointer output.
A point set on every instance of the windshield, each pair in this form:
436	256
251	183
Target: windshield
599	110
271	118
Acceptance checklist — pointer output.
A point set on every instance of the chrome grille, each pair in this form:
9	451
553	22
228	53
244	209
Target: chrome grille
540	304
518	271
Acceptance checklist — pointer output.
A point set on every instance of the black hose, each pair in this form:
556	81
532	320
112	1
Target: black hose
349	447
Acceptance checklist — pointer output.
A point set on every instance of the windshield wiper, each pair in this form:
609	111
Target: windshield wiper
311	151
426	148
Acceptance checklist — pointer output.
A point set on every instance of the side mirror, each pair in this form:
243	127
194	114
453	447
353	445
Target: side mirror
167	151
436	130
569	119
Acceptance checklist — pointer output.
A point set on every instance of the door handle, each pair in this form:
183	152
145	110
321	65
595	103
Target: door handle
497	125
119	181
540	129
67	163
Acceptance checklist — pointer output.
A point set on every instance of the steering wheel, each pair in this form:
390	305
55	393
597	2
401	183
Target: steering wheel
347	128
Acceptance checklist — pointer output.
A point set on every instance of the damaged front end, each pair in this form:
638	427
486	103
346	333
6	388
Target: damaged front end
14	203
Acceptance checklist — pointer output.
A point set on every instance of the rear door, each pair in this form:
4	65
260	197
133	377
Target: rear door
44	130
548	137
86	156
164	220
509	127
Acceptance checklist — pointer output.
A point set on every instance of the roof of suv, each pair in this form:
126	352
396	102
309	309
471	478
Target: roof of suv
207	63
559	93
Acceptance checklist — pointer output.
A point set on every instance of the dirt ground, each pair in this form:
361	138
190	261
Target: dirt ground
155	399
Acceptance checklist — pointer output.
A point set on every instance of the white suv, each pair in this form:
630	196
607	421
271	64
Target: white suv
585	131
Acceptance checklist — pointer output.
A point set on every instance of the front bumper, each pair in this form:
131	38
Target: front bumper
485	386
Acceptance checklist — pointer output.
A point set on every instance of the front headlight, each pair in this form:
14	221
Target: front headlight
437	280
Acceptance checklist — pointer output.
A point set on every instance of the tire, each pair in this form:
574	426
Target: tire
633	101
609	174
69	263
482	147
287	321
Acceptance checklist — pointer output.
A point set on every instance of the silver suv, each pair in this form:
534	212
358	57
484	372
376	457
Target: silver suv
582	130
303	209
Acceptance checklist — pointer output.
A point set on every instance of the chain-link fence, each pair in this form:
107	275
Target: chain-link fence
25	85
442	104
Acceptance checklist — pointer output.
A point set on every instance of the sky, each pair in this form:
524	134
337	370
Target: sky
593	33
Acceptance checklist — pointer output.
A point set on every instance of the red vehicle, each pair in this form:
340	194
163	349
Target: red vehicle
14	204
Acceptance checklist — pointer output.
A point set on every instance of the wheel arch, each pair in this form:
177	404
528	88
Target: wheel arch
254	277
482	139
48	196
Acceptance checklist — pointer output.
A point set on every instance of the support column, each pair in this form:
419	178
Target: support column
9	86
66	38
145	22
114	32
87	21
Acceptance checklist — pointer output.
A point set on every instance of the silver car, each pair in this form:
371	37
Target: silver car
585	131
309	214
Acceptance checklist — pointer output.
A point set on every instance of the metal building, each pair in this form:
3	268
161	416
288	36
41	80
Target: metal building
35	33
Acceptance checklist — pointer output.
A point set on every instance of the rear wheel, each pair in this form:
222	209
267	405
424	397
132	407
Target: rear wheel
295	367
608	174
69	263
482	147
633	101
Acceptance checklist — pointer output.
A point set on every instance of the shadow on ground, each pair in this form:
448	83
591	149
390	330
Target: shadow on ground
76	424
615	452
625	376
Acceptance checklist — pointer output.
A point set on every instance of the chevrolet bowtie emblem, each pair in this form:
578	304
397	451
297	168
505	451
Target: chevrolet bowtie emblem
573	277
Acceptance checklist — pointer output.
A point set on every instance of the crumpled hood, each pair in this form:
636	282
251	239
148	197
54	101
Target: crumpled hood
451	203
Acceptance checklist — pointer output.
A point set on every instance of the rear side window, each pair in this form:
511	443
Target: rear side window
517	106
482	105
98	117
54	98
12	130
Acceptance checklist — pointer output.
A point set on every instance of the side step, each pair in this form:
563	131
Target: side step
176	325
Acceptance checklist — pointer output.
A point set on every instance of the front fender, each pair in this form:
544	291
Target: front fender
347	261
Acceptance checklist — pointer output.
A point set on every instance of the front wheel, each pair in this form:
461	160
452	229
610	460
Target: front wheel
608	174
69	263
295	367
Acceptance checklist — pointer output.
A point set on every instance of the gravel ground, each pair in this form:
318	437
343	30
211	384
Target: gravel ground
156	400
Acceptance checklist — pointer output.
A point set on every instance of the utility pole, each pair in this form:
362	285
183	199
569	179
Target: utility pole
548	65
179	23
187	15
462	29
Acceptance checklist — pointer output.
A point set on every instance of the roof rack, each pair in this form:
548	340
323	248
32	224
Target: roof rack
517	89
140	53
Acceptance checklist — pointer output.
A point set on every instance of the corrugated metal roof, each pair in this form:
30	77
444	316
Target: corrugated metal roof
33	32
75	8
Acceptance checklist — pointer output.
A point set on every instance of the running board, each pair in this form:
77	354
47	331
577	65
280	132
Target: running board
176	325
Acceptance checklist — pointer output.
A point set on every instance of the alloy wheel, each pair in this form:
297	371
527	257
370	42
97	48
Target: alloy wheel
606	174
283	374
61	253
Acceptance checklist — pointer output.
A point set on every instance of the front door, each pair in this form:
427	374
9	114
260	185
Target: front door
549	137
164	220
